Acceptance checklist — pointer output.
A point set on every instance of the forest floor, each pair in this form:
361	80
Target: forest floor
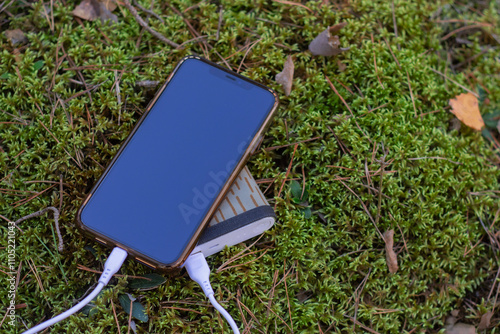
387	205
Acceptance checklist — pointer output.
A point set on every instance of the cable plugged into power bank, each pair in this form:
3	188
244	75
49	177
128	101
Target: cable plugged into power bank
199	271
111	267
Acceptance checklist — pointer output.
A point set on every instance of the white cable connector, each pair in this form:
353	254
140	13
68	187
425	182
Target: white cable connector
196	265
199	271
112	265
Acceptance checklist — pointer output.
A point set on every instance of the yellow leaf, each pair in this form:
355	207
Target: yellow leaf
466	108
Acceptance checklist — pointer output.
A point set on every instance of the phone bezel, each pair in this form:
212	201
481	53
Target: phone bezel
142	258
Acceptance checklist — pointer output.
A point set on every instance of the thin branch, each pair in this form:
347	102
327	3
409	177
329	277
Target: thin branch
150	12
60	246
221	13
456	83
143	23
437	158
347	106
461	29
364	207
383	164
411	94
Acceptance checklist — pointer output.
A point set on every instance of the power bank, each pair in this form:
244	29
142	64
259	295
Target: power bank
243	214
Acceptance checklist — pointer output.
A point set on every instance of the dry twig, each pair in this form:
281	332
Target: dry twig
143	24
60	246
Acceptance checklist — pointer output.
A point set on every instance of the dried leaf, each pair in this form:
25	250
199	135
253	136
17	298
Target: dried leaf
461	328
391	257
285	78
15	36
105	13
92	9
466	108
485	321
109	4
85	10
326	43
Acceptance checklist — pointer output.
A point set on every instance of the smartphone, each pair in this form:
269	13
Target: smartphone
164	184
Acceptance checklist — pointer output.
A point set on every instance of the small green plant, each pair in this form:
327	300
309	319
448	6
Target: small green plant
131	306
300	194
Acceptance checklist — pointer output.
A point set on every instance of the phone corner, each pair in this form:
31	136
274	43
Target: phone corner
189	57
78	218
275	94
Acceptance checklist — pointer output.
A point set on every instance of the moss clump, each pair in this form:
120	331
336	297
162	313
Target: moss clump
61	119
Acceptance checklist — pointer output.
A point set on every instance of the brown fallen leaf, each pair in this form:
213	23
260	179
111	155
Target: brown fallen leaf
461	328
85	10
391	257
92	9
15	36
109	4
285	78
327	43
485	321
466	108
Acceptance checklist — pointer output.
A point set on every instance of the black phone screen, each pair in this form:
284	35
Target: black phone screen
161	185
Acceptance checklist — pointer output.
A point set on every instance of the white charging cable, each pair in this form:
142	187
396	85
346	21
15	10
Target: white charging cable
196	265
112	265
199	271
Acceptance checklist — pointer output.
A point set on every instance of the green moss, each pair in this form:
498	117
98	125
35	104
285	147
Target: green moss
434	203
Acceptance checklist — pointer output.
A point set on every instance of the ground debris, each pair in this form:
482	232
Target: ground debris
15	36
461	328
485	321
60	245
452	327
92	9
285	77
391	257
326	43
